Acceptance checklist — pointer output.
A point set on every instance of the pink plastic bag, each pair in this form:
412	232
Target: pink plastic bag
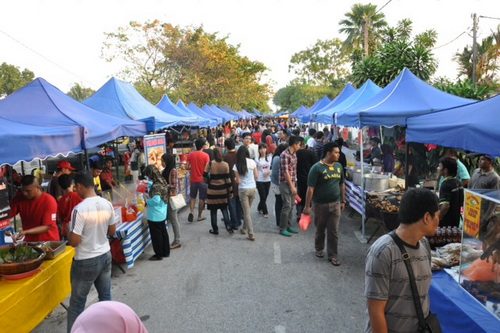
304	222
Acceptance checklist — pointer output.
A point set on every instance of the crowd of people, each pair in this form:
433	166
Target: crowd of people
302	167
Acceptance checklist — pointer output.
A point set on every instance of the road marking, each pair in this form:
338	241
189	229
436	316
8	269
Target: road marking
279	329
277	257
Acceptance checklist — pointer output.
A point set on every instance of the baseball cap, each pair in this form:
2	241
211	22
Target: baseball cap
65	165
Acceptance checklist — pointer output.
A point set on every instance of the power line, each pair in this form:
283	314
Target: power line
388	2
451	41
489	17
42	56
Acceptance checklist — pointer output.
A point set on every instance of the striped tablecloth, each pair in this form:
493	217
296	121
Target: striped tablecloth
134	237
355	197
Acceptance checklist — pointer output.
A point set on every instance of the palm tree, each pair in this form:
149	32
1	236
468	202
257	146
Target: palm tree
362	26
488	62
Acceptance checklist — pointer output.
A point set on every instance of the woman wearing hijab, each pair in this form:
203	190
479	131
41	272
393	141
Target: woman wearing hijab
157	212
108	317
170	175
246	174
219	191
271	146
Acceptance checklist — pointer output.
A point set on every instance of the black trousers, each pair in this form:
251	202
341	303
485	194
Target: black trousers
263	189
213	218
159	238
278	206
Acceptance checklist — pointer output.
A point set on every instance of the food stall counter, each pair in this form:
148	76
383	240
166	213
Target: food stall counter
25	303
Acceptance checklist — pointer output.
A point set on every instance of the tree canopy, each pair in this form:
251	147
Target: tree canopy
294	96
397	51
80	93
12	78
323	64
189	64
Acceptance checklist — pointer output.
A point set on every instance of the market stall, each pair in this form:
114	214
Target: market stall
134	238
25	303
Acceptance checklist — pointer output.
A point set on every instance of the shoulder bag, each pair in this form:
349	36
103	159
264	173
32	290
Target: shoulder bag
425	325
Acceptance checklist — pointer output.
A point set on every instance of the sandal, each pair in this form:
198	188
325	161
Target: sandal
334	262
251	237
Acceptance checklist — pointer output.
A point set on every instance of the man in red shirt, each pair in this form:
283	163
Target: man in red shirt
66	203
38	211
63	168
197	161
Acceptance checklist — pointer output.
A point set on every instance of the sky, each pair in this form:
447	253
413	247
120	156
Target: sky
61	40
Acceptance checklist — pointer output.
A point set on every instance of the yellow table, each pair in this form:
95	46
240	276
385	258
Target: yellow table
25	303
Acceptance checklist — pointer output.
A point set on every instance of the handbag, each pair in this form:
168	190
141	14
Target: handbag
425	325
177	201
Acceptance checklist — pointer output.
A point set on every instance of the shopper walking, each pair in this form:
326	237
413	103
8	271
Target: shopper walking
219	191
246	174
264	180
92	222
235	210
197	162
275	181
288	185
390	299
157	212
326	189
170	175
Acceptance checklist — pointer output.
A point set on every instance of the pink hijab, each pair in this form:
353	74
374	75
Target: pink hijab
108	317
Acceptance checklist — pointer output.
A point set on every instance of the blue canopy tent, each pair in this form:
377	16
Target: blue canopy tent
217	112
256	112
321	103
300	111
120	99
404	97
472	127
188	118
191	113
227	116
41	104
202	113
343	111
22	142
325	114
247	115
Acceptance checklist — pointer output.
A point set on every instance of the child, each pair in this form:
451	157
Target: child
66	203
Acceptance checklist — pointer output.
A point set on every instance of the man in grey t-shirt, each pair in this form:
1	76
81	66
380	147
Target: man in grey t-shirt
387	286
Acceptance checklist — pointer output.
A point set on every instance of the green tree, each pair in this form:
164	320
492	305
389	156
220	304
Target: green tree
188	63
399	50
80	93
324	64
466	88
294	96
12	78
362	25
488	60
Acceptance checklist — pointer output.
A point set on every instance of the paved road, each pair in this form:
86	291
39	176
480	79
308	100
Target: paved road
226	283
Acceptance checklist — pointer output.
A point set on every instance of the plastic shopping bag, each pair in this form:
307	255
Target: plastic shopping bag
304	222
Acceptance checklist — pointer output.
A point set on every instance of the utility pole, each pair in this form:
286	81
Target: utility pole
474	48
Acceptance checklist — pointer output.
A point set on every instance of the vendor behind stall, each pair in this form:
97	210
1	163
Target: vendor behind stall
63	168
106	175
451	193
38	211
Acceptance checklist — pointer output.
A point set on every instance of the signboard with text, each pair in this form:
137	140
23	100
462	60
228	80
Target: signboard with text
472	214
154	148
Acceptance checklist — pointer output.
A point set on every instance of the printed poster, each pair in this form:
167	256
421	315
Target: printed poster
154	148
472	214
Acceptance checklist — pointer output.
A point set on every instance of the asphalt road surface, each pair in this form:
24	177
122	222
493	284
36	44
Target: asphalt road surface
227	283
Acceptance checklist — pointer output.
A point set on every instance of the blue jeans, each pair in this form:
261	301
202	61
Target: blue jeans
235	212
85	273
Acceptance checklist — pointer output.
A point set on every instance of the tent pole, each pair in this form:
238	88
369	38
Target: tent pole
87	164
407	167
363	216
117	158
22	168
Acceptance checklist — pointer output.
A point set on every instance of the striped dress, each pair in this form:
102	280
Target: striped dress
219	185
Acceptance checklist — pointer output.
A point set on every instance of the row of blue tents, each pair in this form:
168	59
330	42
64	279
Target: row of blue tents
39	120
429	114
